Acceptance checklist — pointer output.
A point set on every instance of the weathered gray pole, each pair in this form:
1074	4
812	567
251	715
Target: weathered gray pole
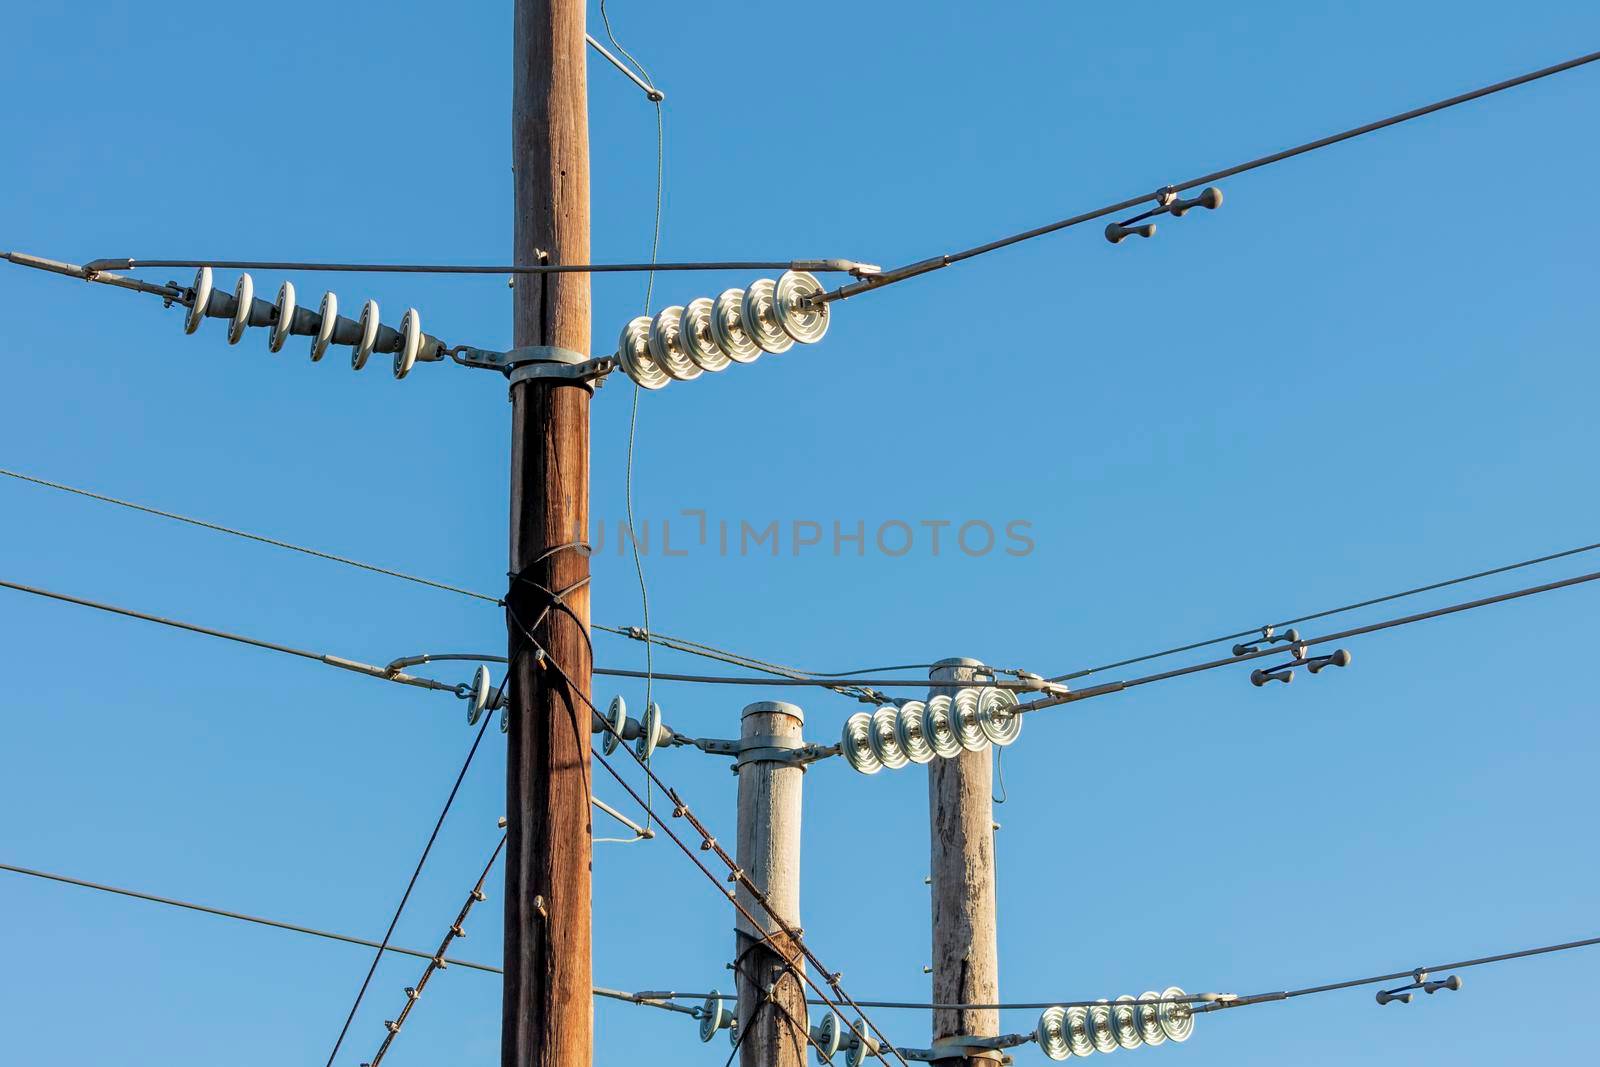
766	964
966	966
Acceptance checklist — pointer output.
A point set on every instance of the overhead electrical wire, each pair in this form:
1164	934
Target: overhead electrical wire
663	998
1256	632
599	991
1387	624
354	666
754	680
410	885
680	644
715	653
814	266
436	962
888	277
247	535
1202	1001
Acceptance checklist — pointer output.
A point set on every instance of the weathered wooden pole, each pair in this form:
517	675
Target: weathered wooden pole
547	1018
772	1002
966	967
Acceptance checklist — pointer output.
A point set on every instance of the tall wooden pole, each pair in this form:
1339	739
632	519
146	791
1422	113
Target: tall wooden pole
966	965
547	1018
772	1000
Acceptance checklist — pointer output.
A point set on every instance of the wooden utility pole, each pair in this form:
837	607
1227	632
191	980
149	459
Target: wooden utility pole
766	962
966	966
547	1018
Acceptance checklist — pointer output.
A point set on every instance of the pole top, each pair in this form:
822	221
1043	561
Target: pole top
774	707
954	662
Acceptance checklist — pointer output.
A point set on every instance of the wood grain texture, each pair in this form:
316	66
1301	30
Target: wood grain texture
769	852
966	965
548	1008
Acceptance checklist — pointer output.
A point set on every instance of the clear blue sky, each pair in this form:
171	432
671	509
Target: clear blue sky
1374	367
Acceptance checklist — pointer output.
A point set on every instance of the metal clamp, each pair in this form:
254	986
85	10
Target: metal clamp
538	361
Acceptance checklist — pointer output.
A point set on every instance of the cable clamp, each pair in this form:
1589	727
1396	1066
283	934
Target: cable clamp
1038	684
537	361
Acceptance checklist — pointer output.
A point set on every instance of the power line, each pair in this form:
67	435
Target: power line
384	673
1265	998
241	916
599	991
410	885
754	680
912	270
355	666
693	648
1404	620
247	535
436	961
1257	631
814	266
662	998
1203	1001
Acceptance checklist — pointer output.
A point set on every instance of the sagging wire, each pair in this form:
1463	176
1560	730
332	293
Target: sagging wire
633	413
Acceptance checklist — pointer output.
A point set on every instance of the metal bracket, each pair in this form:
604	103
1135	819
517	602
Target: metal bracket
538	361
764	749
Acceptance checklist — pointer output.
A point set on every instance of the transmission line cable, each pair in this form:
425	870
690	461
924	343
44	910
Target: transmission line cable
410	885
1210	1001
1404	620
680	644
247	535
599	991
912	270
814	266
1256	632
355	666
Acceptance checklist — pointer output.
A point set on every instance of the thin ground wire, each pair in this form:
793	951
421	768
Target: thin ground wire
913	270
410	885
633	413
736	874
599	991
218	528
1256	632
